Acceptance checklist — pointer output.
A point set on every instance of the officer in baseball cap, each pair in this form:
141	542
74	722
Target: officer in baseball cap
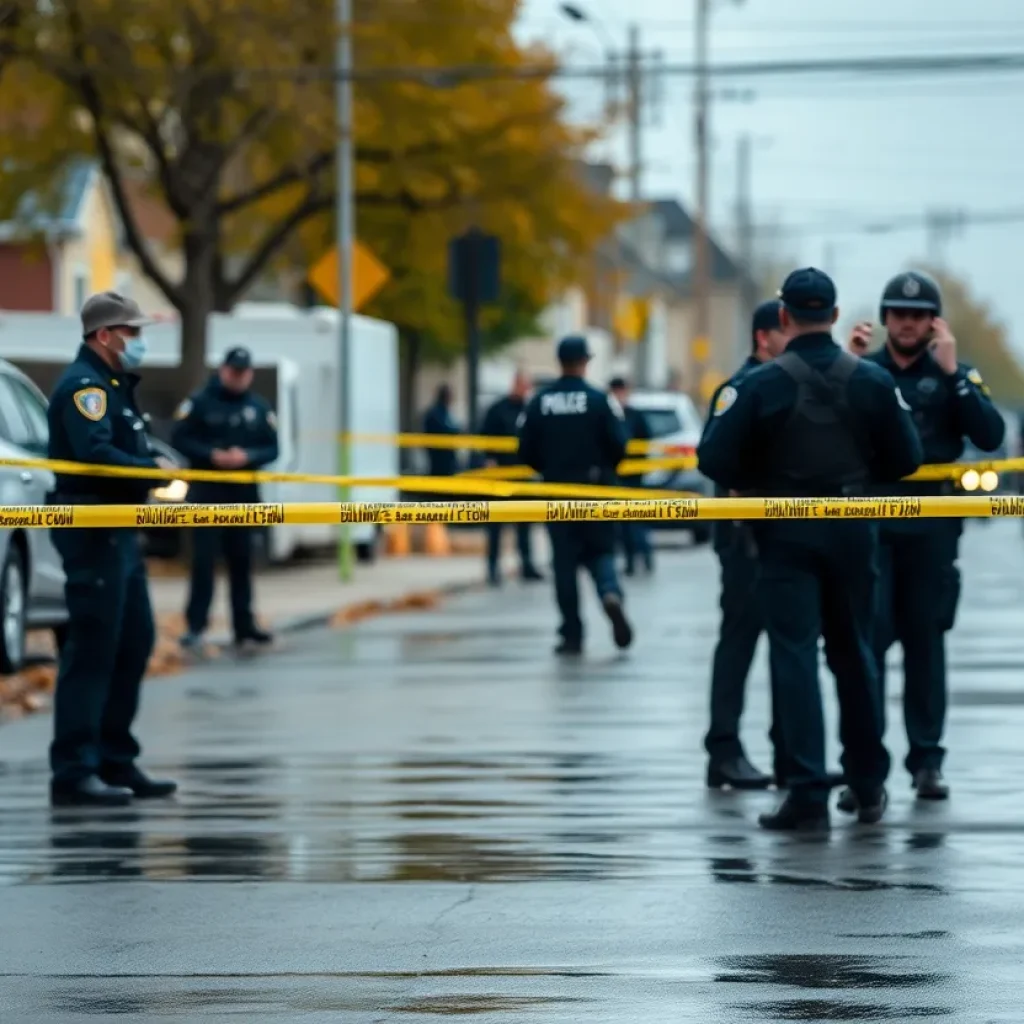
225	426
572	433
94	418
816	422
920	581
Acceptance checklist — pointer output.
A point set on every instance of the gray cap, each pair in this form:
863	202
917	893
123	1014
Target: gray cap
108	309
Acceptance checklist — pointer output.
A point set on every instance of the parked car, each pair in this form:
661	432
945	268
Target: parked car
31	575
673	421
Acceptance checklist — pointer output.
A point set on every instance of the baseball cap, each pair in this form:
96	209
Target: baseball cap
766	317
573	349
109	309
809	295
238	358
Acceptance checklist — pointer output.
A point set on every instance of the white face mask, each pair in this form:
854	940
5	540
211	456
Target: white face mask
134	353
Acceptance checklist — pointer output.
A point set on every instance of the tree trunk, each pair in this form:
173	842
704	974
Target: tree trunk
200	287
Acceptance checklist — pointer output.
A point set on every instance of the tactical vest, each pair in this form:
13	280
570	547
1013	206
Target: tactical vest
822	449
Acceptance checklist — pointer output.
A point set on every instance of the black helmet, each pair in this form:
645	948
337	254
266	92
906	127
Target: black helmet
911	290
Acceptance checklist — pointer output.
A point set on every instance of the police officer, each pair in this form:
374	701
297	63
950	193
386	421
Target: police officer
635	534
742	619
502	420
920	582
816	422
93	418
438	420
225	426
573	433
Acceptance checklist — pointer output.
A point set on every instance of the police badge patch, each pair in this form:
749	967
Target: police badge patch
911	288
183	410
91	403
725	400
975	378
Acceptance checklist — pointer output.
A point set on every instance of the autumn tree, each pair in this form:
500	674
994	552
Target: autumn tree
226	109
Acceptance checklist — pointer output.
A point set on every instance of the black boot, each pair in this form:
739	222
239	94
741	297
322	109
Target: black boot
797	816
930	785
138	782
622	631
91	791
737	773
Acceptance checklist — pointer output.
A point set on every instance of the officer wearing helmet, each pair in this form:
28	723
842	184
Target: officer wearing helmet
816	422
920	582
573	433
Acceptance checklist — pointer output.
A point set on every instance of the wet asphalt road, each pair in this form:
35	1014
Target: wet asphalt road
427	816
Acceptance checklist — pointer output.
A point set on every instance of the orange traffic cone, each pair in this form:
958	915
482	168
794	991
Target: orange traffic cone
435	542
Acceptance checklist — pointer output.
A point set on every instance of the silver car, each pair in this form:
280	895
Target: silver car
31	577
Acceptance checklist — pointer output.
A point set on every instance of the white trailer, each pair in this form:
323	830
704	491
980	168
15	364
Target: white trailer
296	359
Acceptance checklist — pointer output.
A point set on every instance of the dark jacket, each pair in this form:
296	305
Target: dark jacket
216	418
438	420
93	417
503	420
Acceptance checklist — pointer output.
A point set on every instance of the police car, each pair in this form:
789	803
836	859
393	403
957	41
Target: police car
673	421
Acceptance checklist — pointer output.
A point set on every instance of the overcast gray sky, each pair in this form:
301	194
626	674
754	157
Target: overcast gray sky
833	154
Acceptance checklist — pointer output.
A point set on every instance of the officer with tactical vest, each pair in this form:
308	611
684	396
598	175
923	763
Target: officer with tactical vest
742	620
920	582
573	433
816	422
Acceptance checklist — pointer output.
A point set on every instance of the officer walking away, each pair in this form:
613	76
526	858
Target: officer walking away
502	420
93	418
920	581
635	534
438	420
742	618
574	434
225	426
816	422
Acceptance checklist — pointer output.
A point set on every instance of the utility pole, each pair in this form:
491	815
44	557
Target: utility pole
345	226
702	261
745	224
634	113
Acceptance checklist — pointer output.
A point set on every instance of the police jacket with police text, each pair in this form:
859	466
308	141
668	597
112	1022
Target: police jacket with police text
215	418
747	423
946	409
573	433
502	420
93	417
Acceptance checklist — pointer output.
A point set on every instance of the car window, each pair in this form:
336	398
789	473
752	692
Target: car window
662	422
14	422
33	408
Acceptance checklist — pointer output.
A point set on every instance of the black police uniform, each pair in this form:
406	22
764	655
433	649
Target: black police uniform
635	534
573	433
502	420
920	581
216	418
438	420
93	418
741	626
816	422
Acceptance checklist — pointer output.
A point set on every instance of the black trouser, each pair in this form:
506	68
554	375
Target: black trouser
235	542
741	626
919	589
592	547
109	641
494	535
818	579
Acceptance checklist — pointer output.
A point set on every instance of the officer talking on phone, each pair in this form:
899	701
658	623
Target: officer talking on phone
920	581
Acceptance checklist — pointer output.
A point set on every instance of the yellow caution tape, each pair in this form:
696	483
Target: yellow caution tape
454	512
477	442
426	484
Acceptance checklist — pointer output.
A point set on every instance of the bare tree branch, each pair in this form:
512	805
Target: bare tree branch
292	176
91	98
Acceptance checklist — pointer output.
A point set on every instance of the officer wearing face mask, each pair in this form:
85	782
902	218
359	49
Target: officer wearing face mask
93	418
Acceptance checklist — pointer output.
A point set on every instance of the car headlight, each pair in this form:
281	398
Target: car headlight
971	480
176	490
989	480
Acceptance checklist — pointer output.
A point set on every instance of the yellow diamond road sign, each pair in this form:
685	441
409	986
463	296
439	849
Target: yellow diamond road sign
369	275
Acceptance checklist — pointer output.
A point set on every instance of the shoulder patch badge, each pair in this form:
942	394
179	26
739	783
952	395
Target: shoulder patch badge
976	379
91	403
724	402
183	410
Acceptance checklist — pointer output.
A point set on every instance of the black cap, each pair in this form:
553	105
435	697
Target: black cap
766	317
809	295
573	349
108	309
618	384
238	359
911	290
